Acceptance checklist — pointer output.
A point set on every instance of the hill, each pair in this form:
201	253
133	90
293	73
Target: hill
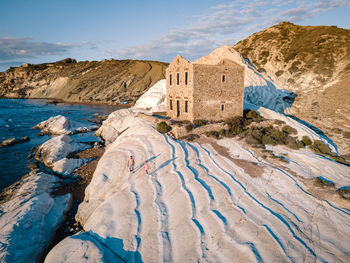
106	81
314	63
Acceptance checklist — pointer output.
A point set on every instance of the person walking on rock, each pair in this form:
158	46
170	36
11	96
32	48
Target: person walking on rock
146	167
131	164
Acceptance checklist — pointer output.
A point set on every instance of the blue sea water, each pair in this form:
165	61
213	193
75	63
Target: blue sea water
17	116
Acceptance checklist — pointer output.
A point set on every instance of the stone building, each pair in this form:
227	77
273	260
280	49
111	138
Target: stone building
204	91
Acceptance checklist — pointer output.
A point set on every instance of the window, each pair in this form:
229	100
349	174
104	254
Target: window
222	107
186	78
171	79
178	78
223	78
177	108
171	104
186	106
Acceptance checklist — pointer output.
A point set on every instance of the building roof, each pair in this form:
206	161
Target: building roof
222	62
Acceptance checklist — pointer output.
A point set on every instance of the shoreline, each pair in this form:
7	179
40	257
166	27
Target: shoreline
61	101
69	226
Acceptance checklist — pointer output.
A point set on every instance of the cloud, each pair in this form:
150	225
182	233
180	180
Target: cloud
24	47
198	39
226	23
293	15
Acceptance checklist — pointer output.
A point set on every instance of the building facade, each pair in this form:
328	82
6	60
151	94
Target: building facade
204	91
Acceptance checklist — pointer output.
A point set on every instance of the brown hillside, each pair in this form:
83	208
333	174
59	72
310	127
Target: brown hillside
107	81
313	62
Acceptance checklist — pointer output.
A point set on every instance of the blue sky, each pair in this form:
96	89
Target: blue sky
40	31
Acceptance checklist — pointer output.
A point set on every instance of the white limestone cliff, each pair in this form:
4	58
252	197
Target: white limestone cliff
198	205
29	219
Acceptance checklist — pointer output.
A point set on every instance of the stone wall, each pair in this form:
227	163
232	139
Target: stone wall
178	94
207	94
214	98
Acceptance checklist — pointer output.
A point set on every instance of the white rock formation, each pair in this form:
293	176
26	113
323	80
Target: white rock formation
59	124
116	123
257	90
29	219
310	165
90	250
198	205
66	166
154	99
56	149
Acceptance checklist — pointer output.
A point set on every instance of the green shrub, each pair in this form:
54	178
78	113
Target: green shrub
189	127
257	133
319	147
252	115
222	132
199	122
278	122
214	134
300	144
289	130
279	136
268	140
292	143
306	140
163	127
251	140
236	125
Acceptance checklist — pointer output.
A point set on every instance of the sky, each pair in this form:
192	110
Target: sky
39	31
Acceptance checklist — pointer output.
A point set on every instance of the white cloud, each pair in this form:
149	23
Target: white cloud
226	24
24	47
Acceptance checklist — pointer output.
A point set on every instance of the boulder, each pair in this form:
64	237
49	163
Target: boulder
12	141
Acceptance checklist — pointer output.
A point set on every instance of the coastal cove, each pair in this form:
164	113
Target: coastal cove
18	116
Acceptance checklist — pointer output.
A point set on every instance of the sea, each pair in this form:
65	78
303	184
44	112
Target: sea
18	116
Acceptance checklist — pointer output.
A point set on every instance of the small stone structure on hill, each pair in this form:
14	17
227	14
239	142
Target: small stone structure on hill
204	91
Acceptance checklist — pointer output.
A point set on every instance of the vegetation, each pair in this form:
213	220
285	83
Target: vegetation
306	140
189	127
163	127
299	49
278	122
319	147
199	122
236	125
120	80
245	128
252	115
289	130
214	134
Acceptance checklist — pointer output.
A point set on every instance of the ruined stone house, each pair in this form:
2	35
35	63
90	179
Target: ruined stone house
204	91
